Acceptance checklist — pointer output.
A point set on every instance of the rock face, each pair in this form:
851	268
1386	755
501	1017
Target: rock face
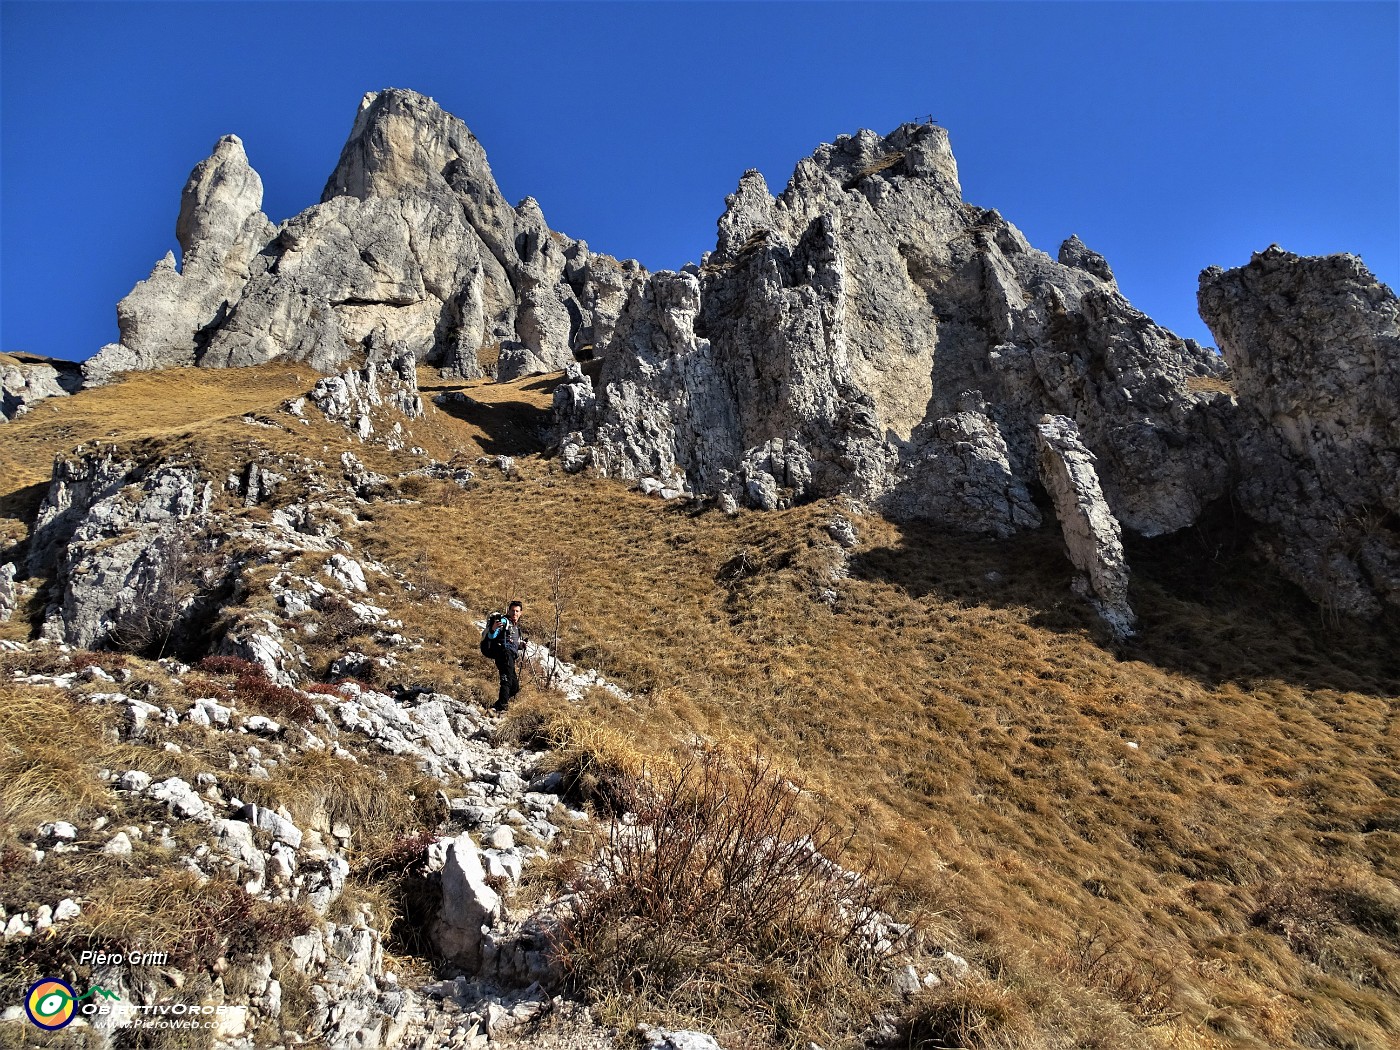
1092	534
28	378
412	246
867	332
1314	348
469	905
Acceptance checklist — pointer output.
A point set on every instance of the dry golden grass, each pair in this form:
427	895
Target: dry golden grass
889	160
980	728
1201	384
956	705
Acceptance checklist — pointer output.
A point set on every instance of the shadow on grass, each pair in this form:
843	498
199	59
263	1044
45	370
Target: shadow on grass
509	428
1207	608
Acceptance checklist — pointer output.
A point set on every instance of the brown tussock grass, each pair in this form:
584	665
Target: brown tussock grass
982	727
47	744
1209	384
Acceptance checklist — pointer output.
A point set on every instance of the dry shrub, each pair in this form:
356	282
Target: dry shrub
382	803
106	661
234	666
599	764
976	1014
247	683
1318	910
1142	985
51	660
275	699
722	893
407	898
197	921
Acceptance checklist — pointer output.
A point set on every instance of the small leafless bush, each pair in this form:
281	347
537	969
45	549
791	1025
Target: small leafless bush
968	1014
722	892
229	665
1143	986
178	573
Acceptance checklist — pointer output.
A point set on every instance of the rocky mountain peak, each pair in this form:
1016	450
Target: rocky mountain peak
403	142
220	204
412	248
915	151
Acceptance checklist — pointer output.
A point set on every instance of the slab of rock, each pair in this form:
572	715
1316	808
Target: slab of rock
1092	534
468	903
1314	351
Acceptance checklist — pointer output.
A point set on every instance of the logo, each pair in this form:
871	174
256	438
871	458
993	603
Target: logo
51	1003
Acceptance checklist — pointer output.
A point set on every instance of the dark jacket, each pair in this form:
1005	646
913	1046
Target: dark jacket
510	640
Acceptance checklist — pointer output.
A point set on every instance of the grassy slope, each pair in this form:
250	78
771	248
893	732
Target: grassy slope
956	705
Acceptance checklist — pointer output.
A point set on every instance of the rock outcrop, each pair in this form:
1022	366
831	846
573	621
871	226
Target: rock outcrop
869	333
412	246
118	537
351	397
26	379
1314	349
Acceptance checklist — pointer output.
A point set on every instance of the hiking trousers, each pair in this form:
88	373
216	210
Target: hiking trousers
510	681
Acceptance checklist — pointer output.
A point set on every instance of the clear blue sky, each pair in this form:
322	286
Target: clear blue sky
1169	136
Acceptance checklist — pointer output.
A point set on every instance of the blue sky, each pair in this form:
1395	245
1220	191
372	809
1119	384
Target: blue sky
1169	136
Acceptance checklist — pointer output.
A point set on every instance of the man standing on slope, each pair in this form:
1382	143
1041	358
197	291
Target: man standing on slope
508	655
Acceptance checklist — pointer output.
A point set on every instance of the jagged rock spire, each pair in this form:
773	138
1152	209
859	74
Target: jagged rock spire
221	231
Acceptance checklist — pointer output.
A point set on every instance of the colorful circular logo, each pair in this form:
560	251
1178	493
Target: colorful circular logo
50	1003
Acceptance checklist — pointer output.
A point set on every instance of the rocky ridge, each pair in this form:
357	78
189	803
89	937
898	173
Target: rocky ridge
868	332
412	247
865	332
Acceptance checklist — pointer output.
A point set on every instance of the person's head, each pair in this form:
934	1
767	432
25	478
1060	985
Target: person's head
514	610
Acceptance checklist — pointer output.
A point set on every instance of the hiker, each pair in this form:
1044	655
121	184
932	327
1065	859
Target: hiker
509	654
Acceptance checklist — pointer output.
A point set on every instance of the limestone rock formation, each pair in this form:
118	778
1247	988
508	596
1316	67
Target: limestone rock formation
867	332
116	537
468	903
1092	534
9	595
352	396
412	246
1314	349
166	319
26	379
